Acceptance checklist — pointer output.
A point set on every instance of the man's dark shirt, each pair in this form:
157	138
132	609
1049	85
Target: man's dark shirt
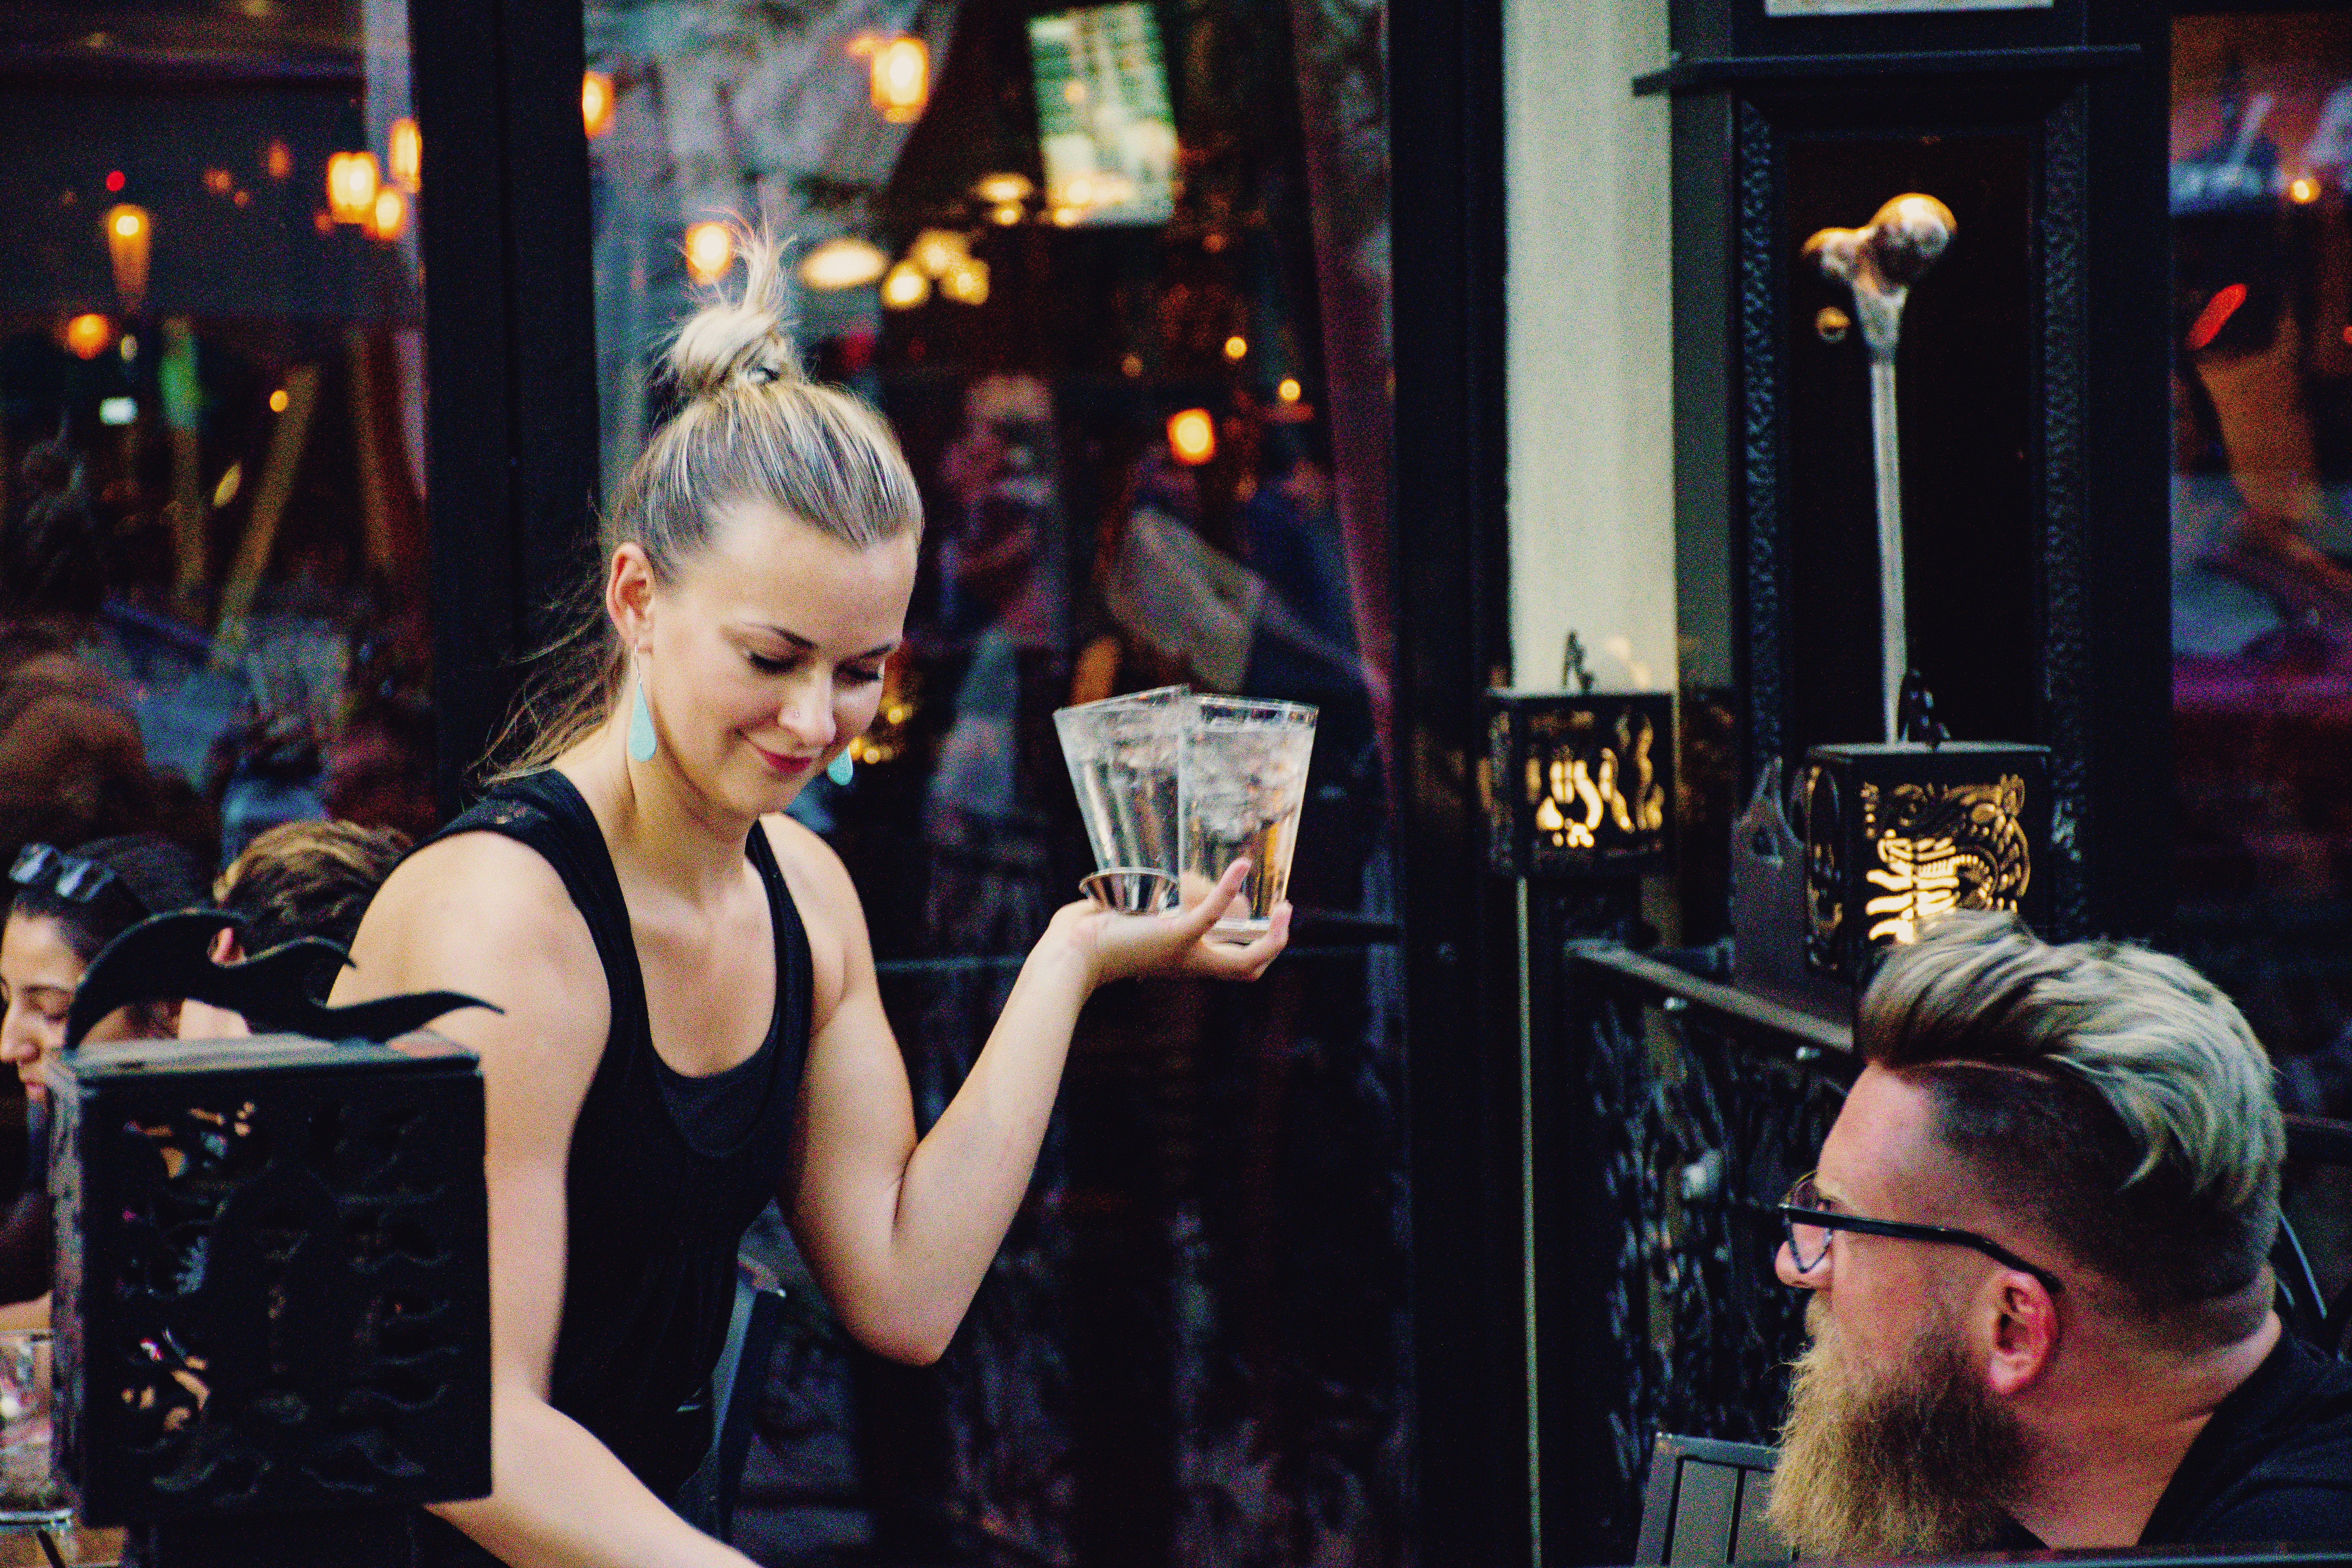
2274	1463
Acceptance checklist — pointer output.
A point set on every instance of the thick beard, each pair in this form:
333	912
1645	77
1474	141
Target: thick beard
1916	1459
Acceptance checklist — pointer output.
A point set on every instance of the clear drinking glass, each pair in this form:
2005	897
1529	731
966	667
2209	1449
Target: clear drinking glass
30	1492
1122	754
1241	783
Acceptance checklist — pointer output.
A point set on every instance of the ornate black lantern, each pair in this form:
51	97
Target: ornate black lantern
272	1288
1578	783
1896	835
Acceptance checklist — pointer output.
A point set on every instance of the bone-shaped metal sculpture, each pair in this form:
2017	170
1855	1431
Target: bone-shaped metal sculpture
1880	263
169	957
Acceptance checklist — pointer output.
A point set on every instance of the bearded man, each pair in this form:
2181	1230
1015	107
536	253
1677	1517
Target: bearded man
2037	1245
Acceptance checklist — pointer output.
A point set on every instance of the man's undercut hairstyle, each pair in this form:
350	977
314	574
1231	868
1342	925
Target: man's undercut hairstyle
2109	1094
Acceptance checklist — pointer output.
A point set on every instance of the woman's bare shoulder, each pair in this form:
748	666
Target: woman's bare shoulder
809	863
476	906
829	910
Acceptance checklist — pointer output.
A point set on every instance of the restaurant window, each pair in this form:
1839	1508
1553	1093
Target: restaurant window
2261	543
211	404
1117	275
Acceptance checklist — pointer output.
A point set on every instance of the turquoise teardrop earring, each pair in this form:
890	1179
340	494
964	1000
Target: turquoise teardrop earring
641	720
841	769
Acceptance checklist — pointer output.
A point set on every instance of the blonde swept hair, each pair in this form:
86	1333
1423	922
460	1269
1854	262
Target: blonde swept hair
753	427
2112	1093
308	879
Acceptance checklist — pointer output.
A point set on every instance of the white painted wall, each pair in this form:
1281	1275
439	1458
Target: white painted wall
1590	352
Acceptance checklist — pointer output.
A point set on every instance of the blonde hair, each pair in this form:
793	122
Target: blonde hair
308	879
2111	1093
753	427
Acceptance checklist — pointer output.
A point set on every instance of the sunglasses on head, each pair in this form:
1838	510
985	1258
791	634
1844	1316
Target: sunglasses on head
69	877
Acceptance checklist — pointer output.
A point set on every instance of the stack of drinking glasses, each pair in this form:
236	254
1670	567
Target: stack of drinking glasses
1175	787
30	1492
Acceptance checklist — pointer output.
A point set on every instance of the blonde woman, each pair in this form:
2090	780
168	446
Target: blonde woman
691	1023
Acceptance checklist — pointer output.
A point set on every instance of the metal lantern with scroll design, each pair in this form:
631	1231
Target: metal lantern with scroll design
1578	783
1896	835
272	1287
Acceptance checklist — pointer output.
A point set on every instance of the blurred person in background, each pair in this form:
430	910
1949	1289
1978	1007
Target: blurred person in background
297	880
67	905
72	765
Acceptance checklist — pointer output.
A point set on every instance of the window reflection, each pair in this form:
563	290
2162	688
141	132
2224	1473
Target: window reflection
210	403
2262	397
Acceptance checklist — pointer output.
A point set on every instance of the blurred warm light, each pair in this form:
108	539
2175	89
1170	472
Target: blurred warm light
939	251
232	480
596	103
1192	436
999	189
1212	242
2304	190
219	181
1289	391
901	79
904	287
1006	213
278	401
2215	315
845	261
967	281
710	251
1237	347
1067	217
388	215
114	181
1130	365
128	347
87	334
278	160
404	154
129	235
351	185
323	221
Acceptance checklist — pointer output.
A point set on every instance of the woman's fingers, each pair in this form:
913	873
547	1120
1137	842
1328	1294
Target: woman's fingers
1196	919
1236	960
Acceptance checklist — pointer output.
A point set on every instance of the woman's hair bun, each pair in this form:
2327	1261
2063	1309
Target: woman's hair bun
745	339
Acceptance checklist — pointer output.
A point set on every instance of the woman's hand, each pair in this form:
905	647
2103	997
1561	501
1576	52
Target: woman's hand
1121	947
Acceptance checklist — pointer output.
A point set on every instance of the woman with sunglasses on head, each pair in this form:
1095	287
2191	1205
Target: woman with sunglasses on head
691	1023
67	905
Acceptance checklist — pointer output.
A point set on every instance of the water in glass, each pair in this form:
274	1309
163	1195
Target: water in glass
1242	780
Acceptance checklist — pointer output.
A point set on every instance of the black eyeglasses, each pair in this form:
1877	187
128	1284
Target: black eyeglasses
1807	1227
70	876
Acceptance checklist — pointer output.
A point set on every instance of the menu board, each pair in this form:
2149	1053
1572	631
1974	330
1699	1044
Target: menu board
1103	118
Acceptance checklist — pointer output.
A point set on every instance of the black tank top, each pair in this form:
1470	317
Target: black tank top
666	1171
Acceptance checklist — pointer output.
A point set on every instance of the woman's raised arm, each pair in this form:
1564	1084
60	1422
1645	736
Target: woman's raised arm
486	916
900	1232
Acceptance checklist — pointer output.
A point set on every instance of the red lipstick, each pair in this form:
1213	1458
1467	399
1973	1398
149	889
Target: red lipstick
781	765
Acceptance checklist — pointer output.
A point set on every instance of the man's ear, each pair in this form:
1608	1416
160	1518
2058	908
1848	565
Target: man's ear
225	948
2024	1338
